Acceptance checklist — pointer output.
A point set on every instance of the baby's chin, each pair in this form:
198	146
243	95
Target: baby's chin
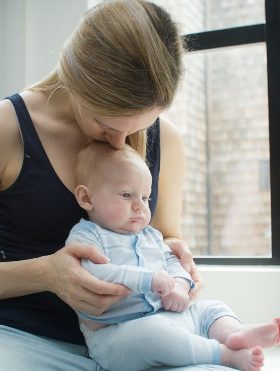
133	228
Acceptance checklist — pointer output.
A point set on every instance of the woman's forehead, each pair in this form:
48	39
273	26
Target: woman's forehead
140	121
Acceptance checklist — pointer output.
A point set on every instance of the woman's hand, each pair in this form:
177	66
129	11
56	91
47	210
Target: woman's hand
183	253
78	288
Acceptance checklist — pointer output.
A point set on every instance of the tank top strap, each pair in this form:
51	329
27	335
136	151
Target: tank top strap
153	160
31	141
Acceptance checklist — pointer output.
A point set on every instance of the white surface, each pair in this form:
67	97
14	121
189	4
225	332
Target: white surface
272	359
251	291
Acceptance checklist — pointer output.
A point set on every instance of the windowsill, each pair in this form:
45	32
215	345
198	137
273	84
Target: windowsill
239	268
250	290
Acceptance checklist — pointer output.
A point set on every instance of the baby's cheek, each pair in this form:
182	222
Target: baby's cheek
116	215
148	216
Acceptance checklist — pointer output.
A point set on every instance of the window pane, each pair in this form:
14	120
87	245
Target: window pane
222	112
203	15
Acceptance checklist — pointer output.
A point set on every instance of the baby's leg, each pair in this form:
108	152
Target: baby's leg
236	336
187	348
214	319
150	341
162	340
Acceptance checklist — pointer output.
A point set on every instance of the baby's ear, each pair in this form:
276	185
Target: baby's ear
83	197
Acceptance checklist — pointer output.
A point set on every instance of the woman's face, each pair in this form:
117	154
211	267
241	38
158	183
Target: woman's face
112	130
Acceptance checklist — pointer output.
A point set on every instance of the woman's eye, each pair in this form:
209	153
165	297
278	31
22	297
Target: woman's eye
126	195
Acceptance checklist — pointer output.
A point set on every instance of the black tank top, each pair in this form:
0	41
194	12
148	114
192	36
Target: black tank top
36	214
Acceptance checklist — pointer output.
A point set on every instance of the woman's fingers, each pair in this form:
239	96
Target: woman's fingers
98	286
95	304
92	294
87	252
182	251
197	280
77	287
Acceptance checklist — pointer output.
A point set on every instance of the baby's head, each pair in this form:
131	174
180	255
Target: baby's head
114	187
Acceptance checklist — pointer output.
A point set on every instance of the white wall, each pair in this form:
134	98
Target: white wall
32	33
12	48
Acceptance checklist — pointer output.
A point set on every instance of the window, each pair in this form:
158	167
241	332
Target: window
228	113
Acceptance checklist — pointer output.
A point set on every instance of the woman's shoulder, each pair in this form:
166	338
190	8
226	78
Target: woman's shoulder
169	131
8	120
32	101
10	143
171	142
165	133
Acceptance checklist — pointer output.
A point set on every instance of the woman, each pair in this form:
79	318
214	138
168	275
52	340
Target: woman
116	74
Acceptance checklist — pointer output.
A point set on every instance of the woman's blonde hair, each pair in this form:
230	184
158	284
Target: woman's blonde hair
124	58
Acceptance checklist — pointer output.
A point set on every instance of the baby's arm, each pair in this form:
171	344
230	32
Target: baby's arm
137	279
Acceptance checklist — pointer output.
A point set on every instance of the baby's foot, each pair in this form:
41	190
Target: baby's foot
244	359
265	335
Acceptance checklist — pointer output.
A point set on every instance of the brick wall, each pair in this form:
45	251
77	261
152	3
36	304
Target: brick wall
221	109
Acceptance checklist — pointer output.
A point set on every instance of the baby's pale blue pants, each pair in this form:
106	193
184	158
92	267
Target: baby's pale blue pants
22	351
162	339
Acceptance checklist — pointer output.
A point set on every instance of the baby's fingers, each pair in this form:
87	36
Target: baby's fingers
165	290
167	302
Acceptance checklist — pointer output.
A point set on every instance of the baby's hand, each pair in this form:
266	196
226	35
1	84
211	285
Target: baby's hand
162	283
178	299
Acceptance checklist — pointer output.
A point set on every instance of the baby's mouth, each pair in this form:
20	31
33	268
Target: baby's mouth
137	219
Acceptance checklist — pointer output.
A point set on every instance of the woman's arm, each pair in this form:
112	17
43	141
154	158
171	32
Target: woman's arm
62	274
167	218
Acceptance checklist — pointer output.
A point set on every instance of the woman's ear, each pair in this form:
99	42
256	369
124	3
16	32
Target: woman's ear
83	197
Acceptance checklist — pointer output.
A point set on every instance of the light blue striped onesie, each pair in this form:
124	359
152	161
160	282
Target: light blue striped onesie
140	330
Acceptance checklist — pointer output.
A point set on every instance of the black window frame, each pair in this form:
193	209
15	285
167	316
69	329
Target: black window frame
268	33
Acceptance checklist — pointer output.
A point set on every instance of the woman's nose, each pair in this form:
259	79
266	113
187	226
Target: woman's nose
116	140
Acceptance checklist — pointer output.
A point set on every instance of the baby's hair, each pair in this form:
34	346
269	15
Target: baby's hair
94	159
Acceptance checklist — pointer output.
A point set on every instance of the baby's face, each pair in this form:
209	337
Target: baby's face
121	203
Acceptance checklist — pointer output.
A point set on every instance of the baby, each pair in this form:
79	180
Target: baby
155	325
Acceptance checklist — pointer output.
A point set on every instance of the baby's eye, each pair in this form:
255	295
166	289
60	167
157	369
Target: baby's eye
126	195
145	198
